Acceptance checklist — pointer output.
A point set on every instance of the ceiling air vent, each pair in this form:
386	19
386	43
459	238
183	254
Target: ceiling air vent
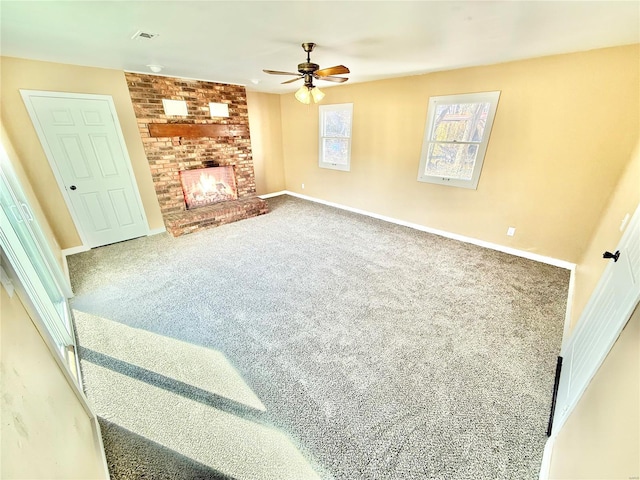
141	34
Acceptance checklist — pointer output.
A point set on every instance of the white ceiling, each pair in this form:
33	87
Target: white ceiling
232	41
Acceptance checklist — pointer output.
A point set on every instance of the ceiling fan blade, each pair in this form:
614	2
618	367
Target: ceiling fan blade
277	72
334	79
292	80
337	70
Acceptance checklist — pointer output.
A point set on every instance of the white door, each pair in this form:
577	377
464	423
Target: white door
85	147
599	326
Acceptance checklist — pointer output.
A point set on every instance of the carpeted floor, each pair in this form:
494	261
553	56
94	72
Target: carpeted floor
317	343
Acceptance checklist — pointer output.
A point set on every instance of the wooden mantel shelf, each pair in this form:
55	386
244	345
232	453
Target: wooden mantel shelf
196	130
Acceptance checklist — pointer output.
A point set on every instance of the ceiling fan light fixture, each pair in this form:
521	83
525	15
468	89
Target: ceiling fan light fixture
308	71
304	95
317	94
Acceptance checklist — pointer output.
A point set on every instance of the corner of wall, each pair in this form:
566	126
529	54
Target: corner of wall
265	123
624	200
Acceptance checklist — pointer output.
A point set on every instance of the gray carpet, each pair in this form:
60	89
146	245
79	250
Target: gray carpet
317	343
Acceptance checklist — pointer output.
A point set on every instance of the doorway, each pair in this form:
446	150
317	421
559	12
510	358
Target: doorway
83	142
605	315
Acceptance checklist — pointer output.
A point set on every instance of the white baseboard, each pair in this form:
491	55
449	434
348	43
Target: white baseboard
99	444
73	250
567	316
156	231
545	467
481	243
274	194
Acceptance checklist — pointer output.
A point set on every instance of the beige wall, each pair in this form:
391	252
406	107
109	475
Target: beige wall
564	132
16	74
560	160
624	200
46	433
265	127
601	438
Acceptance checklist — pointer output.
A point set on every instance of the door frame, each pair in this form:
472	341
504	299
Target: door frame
619	323
625	315
26	97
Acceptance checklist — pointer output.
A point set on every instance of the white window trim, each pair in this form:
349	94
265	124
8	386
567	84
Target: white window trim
332	108
490	97
10	181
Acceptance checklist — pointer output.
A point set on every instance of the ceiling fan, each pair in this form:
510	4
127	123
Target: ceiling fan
308	71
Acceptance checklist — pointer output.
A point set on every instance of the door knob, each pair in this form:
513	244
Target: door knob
72	187
615	256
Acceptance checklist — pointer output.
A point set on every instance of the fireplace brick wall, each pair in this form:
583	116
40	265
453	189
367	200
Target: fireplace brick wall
167	156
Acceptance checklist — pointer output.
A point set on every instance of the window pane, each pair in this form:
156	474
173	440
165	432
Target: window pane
337	123
40	284
12	211
335	150
462	122
451	161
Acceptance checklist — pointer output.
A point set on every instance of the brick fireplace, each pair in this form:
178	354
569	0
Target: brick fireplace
206	186
175	144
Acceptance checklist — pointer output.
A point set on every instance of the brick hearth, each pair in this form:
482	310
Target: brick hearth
190	221
229	144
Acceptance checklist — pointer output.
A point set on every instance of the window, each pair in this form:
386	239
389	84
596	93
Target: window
456	137
335	136
25	248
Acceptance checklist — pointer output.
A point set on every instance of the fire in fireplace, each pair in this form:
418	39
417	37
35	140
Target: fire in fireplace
204	186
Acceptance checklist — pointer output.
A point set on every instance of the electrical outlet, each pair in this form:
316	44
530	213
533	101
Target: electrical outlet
303	186
511	231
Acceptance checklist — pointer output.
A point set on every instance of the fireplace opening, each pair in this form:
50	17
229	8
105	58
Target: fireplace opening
205	186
